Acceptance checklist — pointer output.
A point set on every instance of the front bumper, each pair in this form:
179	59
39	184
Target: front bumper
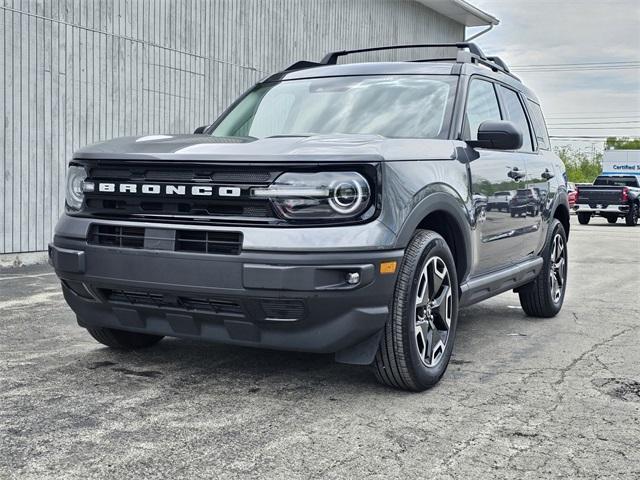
581	207
289	301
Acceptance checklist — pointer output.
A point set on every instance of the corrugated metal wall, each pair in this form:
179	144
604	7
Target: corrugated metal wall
76	72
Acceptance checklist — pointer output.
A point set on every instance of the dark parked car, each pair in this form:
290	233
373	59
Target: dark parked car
526	201
332	208
611	197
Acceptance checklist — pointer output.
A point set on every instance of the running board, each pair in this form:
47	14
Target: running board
480	288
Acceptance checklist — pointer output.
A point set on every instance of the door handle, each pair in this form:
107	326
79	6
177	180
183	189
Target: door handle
547	175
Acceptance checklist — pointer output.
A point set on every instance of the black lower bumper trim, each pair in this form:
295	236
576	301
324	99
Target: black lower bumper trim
281	301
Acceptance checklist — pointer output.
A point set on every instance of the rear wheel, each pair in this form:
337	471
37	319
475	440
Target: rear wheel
123	340
543	297
418	338
631	219
612	218
584	218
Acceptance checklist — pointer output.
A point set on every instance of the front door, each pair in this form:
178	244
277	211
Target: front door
496	177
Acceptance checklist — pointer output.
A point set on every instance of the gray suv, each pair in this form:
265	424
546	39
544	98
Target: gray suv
333	208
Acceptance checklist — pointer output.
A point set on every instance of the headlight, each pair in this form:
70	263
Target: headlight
75	187
318	196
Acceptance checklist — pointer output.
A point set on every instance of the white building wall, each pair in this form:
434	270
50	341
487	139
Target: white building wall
75	72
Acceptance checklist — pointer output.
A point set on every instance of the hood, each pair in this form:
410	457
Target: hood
319	148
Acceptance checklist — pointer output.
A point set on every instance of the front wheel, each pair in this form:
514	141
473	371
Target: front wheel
584	218
631	219
418	338
543	297
612	218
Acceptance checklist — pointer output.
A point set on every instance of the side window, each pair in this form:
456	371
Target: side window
539	126
515	113
482	105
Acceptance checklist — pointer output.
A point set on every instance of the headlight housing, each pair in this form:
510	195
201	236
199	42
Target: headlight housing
332	196
74	195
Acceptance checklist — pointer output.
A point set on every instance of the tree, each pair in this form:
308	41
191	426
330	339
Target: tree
581	168
622	143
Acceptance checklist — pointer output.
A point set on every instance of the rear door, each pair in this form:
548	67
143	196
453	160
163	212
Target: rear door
494	171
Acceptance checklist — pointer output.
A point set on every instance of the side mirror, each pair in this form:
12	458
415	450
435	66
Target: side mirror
497	135
200	130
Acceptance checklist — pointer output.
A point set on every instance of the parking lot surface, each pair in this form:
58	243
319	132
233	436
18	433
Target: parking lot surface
523	398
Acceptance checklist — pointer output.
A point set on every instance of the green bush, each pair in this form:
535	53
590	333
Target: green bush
623	143
581	168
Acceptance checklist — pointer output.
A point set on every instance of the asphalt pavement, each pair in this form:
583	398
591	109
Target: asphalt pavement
523	398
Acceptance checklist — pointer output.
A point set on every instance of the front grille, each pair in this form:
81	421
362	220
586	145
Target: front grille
155	299
116	236
208	242
183	174
197	241
283	309
183	208
137	206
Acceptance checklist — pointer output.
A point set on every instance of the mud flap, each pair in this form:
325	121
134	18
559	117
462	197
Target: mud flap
362	353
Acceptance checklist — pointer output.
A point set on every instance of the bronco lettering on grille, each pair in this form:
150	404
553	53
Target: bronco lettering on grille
155	189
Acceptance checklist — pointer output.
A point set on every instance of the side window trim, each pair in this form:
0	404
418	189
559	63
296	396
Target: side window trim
543	124
501	101
464	131
532	130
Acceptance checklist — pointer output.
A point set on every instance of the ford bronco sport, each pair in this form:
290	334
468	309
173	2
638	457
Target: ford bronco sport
335	208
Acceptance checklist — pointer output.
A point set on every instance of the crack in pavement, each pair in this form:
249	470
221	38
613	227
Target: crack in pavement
594	347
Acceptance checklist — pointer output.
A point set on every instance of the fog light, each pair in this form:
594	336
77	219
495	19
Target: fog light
353	278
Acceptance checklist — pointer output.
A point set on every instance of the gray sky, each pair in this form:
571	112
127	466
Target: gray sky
546	32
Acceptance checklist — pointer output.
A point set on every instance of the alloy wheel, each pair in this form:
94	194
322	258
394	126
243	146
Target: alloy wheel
433	311
557	272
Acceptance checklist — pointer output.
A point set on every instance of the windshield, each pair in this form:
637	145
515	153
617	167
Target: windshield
398	106
617	181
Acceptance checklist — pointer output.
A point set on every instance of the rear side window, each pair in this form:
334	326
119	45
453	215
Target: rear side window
539	125
482	105
515	113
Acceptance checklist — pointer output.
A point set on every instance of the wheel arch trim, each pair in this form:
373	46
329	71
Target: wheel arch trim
449	205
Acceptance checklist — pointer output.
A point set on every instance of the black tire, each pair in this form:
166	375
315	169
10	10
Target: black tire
612	218
584	218
123	340
631	218
399	362
538	298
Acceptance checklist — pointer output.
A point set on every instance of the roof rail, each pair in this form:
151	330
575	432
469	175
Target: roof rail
473	55
499	62
331	58
302	64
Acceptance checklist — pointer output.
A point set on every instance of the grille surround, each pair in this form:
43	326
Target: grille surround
215	207
184	207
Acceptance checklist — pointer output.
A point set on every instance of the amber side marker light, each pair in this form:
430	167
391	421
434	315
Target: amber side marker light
388	267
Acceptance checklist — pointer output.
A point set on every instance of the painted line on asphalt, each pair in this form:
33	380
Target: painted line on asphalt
34	299
17	277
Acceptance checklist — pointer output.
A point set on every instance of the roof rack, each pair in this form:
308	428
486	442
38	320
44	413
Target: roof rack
474	55
331	58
